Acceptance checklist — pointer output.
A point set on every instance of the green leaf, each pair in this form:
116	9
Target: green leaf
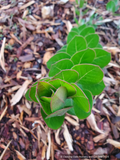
81	28
54	122
102	58
86	31
92	40
81	3
82	114
77	11
85	56
56	58
68	103
58	100
46	99
71	35
110	6
65	75
70	89
71	111
64	47
95	89
76	1
75	29
44	89
60	65
32	93
59	112
45	106
88	74
80	101
27	95
78	43
89	96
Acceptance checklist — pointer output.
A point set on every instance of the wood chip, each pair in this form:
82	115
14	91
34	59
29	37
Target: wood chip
92	122
27	58
5	7
68	25
47	11
47	56
67	137
27	5
57	136
5	150
19	155
114	143
20	92
49	146
15	38
100	137
3	113
2	61
72	121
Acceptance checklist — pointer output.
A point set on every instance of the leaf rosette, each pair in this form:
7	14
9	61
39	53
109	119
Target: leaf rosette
58	97
75	76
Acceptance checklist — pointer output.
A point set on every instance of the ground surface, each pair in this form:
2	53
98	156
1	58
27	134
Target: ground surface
27	41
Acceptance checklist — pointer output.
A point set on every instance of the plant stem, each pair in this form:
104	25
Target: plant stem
80	18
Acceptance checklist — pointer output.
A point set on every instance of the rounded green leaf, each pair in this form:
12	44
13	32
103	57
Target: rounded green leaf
59	112
45	106
75	29
70	89
60	65
82	114
58	99
53	122
81	27
92	40
78	43
88	74
80	100
111	6
85	56
95	89
102	58
27	95
86	31
56	58
71	35
32	93
65	75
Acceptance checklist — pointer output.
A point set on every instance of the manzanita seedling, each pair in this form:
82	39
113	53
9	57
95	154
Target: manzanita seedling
75	76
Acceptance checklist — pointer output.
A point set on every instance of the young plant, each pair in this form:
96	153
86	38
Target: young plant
75	76
112	5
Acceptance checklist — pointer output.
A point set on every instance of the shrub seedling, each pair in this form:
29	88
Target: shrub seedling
75	76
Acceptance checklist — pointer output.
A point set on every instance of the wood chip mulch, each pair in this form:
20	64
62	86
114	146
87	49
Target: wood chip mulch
30	34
